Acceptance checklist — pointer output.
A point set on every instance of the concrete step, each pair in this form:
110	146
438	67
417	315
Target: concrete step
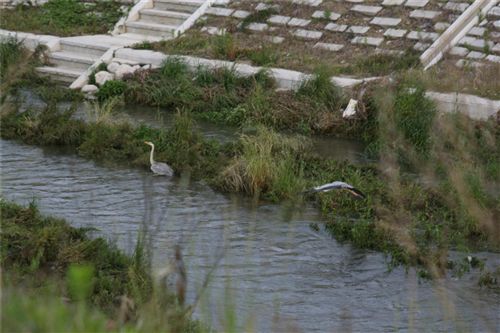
187	6
72	60
60	74
163	16
150	29
82	48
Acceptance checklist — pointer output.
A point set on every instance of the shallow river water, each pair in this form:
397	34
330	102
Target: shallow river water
271	268
276	272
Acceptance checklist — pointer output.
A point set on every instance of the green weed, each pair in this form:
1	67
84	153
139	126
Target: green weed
62	17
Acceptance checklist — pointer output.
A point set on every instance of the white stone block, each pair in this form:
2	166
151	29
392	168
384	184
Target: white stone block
419	46
385	21
241	14
358	29
395	33
372	41
475	42
219	11
367	10
441	26
336	27
264	6
313	3
320	14
494	11
416	3
214	30
456	6
297	22
329	46
459	51
493	58
103	76
392	2
89	89
476	55
422	35
424	14
254	26
278	19
496	24
308	34
477	31
275	39
496	48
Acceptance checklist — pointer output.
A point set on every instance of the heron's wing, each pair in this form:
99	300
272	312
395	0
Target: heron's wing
162	169
331	186
356	192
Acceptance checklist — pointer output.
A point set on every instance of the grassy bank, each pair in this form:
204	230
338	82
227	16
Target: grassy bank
223	97
237	46
62	17
56	278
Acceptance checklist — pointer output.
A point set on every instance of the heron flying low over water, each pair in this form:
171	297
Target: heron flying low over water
158	168
337	185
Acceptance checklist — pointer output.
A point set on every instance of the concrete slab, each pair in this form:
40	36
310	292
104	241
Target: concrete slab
278	19
313	3
395	33
424	14
473	106
241	14
456	6
476	55
219	11
372	41
329	46
308	34
422	35
416	3
385	21
298	22
320	14
392	2
336	27
254	26
459	51
367	10
493	58
358	29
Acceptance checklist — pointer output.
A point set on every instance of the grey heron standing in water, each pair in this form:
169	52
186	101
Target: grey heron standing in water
158	168
337	185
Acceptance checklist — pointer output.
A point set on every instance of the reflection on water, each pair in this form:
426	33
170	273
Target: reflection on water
277	272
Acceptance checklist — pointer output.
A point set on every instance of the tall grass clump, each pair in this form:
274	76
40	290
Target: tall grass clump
15	62
414	116
267	165
321	90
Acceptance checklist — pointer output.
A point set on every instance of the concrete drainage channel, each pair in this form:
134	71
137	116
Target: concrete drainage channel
75	58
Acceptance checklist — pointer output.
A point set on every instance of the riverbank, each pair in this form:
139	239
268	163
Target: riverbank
79	283
409	212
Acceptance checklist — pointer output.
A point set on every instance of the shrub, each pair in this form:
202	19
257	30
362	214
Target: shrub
414	115
111	88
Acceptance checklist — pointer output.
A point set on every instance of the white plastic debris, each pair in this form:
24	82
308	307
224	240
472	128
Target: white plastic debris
350	110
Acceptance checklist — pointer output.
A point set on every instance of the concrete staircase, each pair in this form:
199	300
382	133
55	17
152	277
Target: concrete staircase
160	20
74	58
163	19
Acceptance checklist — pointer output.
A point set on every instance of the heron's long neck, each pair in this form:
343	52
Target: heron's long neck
151	155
